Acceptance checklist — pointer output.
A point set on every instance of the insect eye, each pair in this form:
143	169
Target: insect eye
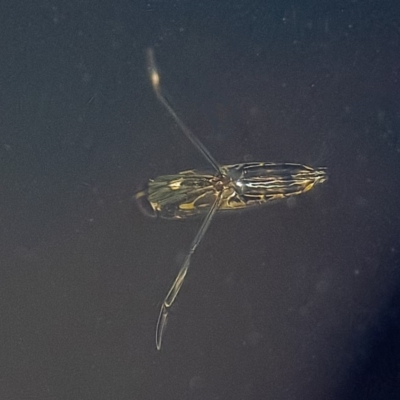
145	206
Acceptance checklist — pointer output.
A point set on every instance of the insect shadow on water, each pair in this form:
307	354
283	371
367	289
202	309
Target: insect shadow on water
220	188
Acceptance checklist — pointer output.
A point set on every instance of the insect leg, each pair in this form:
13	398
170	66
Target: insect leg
176	286
155	82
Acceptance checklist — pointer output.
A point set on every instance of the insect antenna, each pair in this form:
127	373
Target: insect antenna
155	82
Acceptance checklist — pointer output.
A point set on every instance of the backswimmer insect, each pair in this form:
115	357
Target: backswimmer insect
221	188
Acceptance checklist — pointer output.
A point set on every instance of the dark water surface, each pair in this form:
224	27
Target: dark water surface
296	300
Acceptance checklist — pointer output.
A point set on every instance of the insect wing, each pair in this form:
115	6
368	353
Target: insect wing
271	181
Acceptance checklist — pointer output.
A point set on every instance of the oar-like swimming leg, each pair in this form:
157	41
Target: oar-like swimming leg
155	82
176	286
